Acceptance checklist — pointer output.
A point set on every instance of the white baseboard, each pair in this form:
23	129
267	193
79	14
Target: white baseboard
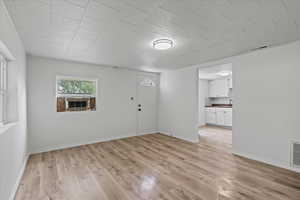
181	138
152	132
165	133
221	126
266	160
20	175
66	146
187	139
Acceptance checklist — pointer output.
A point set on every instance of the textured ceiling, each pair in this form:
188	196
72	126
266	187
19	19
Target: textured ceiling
119	32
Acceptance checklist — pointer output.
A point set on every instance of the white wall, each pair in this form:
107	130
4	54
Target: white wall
178	106
13	139
266	103
266	96
115	116
203	95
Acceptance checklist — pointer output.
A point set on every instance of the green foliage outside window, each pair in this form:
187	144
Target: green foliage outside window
65	86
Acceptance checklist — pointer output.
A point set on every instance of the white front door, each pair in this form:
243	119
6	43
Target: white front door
147	89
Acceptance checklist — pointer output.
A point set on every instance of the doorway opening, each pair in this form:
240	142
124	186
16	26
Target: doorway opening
215	103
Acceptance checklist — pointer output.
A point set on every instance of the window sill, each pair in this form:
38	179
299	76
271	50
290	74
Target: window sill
5	127
76	112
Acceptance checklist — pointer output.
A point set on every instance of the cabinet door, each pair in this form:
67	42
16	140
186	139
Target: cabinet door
212	88
218	87
224	88
210	116
220	117
229	82
228	117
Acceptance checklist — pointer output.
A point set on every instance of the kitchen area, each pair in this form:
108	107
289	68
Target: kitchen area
215	100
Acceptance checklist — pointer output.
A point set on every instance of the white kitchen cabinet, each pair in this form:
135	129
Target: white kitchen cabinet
218	88
219	116
210	115
228	117
229	82
223	88
212	89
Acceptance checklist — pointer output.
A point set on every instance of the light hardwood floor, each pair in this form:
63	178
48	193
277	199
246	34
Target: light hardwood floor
216	135
154	167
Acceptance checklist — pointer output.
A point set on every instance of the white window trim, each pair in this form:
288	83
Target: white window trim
5	52
8	56
3	129
3	90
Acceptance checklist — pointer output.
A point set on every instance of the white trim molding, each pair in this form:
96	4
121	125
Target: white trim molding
5	127
179	137
152	132
266	160
5	51
165	133
66	146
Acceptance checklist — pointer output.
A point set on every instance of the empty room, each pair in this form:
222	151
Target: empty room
149	100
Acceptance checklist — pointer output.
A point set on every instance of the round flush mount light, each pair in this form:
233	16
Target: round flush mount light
163	44
224	73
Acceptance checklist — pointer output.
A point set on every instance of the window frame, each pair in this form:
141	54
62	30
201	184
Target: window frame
3	89
80	78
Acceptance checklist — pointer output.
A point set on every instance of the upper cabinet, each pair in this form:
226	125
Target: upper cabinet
212	88
229	82
220	87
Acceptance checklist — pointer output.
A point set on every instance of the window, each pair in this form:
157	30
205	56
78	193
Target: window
75	94
3	89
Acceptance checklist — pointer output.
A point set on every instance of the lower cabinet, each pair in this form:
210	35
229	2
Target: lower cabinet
219	116
228	117
210	115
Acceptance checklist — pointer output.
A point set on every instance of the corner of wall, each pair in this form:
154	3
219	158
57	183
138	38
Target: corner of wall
19	178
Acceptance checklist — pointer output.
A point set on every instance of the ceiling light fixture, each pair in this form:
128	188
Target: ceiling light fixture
224	73
163	44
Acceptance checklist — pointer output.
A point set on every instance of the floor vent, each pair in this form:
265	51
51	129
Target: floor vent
295	155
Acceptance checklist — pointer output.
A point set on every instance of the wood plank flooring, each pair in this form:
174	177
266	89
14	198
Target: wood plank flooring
154	167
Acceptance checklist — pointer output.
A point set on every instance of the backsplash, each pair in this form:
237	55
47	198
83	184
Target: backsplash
219	100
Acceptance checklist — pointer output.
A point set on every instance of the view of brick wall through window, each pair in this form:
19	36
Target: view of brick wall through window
75	95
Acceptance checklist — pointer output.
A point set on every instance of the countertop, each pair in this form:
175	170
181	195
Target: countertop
220	106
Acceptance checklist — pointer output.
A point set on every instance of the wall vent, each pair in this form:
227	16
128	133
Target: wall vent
295	155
